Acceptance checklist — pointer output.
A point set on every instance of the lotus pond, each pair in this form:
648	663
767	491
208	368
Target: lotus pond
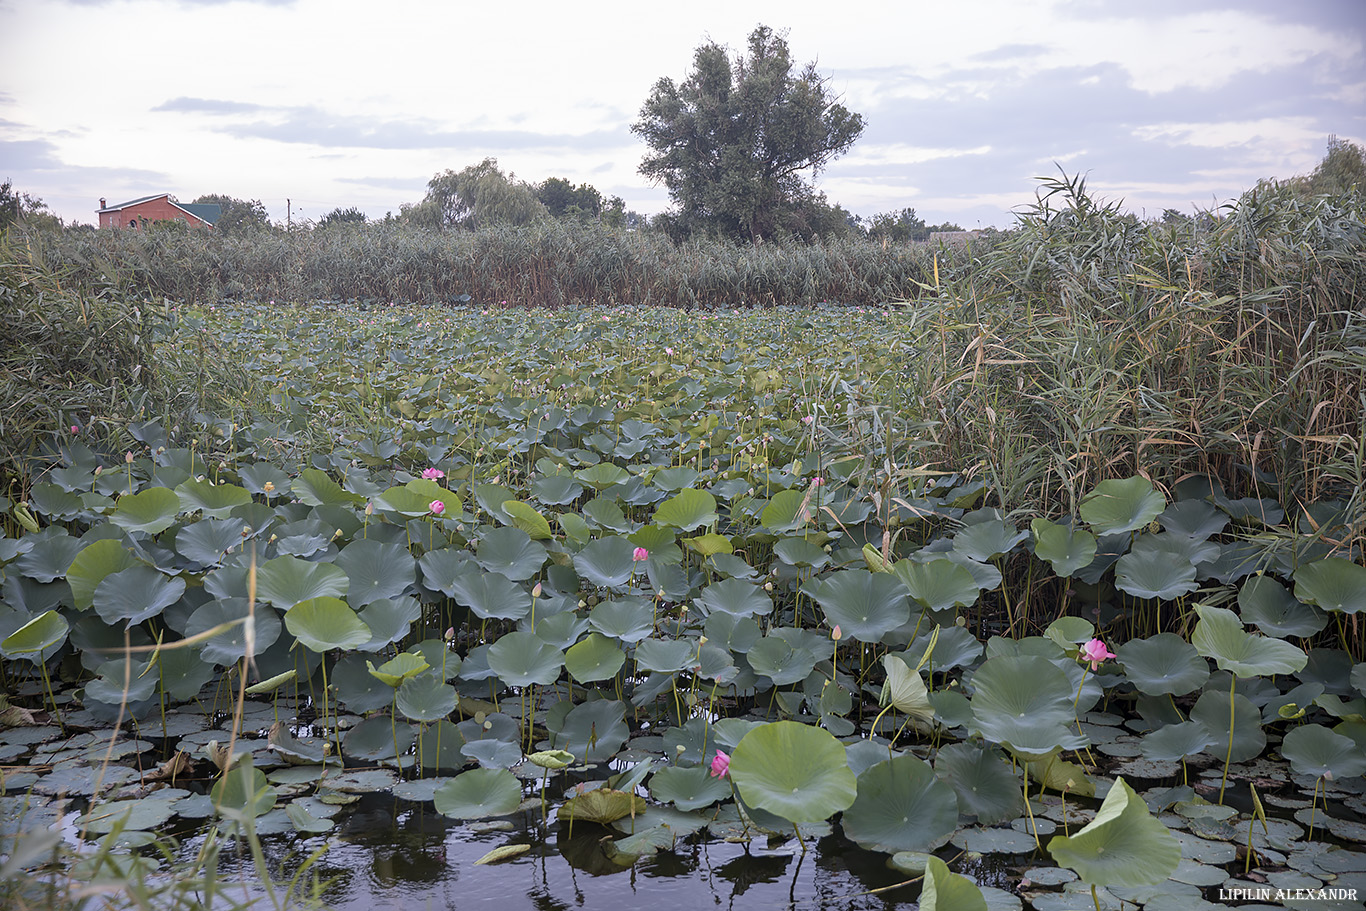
601	607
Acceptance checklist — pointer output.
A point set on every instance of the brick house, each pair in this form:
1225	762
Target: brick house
140	213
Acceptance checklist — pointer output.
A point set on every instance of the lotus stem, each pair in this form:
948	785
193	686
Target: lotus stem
1228	756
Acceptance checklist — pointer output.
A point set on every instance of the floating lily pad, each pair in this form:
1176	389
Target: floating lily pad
479	793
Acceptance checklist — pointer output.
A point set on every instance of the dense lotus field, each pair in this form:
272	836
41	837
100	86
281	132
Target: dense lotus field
675	579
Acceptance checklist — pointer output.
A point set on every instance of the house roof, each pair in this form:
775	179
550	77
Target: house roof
204	211
133	202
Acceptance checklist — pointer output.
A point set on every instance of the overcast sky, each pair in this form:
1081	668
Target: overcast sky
1162	103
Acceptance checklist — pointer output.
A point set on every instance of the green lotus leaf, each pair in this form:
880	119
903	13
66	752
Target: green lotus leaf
709	545
1067	632
1316	751
736	597
1267	603
866	606
674	479
413	504
511	553
525	517
629	619
686	510
1052	771
399	668
231	645
901	806
304	821
92	564
1122	846
601	805
1024	702
256	476
503	853
1333	584
314	488
607	562
556	490
376	571
1121	506
491	596
479	793
1154	573
215	501
985	541
602	475
944	890
551	759
668	656
425	698
209	541
594	658
1220	635
523	659
662	543
800	552
904	689
389	620
1067	549
243	788
594	731
285	581
784	512
51	554
134	594
442	747
133	815
152	511
688	787
1177	741
38	639
779	660
1163	664
326	623
1212	711
987	786
938	584
735	634
793	770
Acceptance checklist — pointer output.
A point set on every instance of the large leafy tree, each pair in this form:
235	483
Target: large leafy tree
734	141
1342	167
477	196
239	215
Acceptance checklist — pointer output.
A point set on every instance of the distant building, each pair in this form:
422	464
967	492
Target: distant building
140	213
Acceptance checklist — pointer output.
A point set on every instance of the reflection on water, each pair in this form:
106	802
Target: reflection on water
389	853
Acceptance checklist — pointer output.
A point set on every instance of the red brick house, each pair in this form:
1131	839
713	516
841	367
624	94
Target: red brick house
140	213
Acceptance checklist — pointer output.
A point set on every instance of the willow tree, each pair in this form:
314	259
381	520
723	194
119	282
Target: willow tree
734	143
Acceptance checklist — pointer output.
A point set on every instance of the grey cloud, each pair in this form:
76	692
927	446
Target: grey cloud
207	106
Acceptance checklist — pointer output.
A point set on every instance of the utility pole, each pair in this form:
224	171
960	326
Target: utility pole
289	215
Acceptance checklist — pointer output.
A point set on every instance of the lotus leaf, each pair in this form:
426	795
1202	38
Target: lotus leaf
376	571
1333	584
686	510
491	596
988	788
688	787
776	658
1024	702
904	689
594	658
92	564
151	511
600	805
629	619
38	639
134	594
215	501
901	806
866	606
606	562
937	584
794	771
1120	506
1212	711
944	890
522	659
984	541
735	597
512	553
1163	664
326	623
1316	751
1122	846
315	488
594	731
231	645
1220	635
286	581
479	793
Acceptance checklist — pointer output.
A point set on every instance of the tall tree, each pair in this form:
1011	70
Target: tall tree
479	195
1342	167
340	216
734	140
239	215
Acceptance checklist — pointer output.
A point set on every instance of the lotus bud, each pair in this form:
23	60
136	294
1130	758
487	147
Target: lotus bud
98	470
768	586
536	592
370	508
128	457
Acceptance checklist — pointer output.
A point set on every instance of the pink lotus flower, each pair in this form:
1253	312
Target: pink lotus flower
807	419
75	429
1095	652
640	554
720	765
433	474
437	507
